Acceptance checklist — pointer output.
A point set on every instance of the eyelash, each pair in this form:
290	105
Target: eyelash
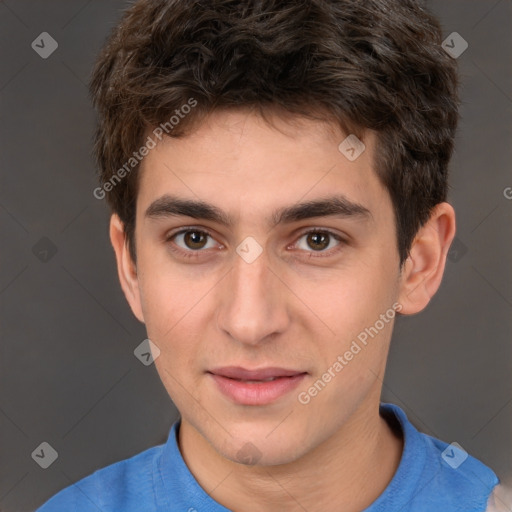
196	254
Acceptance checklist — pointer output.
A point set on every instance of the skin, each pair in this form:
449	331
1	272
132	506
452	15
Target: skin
292	307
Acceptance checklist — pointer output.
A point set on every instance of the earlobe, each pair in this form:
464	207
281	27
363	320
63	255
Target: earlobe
126	268
424	268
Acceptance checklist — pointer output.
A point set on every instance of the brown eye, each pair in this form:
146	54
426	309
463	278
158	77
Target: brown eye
195	239
192	240
318	241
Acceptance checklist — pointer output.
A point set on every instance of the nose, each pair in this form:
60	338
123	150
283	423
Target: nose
252	302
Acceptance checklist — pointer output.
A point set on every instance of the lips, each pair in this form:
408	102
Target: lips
265	374
255	387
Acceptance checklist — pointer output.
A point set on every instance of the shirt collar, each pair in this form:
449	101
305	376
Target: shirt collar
176	487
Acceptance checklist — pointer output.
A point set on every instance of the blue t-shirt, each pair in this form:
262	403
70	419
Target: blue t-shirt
432	476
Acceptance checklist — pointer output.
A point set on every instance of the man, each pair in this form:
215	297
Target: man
277	174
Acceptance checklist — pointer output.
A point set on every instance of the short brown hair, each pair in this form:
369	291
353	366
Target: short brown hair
373	64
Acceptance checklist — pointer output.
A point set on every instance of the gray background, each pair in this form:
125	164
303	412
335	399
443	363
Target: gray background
68	373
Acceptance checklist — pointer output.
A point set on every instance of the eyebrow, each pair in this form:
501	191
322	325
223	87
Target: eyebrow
338	205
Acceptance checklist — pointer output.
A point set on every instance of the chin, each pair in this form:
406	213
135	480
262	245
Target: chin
259	450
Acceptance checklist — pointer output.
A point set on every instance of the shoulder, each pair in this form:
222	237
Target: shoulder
125	485
435	475
456	479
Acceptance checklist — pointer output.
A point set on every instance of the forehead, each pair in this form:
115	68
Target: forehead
245	166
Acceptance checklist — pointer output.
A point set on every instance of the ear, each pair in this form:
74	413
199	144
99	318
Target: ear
423	270
126	268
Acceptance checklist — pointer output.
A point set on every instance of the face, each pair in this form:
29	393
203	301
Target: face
259	281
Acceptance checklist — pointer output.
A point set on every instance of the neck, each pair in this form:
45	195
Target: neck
347	472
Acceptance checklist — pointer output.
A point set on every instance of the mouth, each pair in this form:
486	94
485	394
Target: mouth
270	379
255	387
239	373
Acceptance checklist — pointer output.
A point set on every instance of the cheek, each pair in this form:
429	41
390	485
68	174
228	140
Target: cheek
350	304
176	310
166	294
166	304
